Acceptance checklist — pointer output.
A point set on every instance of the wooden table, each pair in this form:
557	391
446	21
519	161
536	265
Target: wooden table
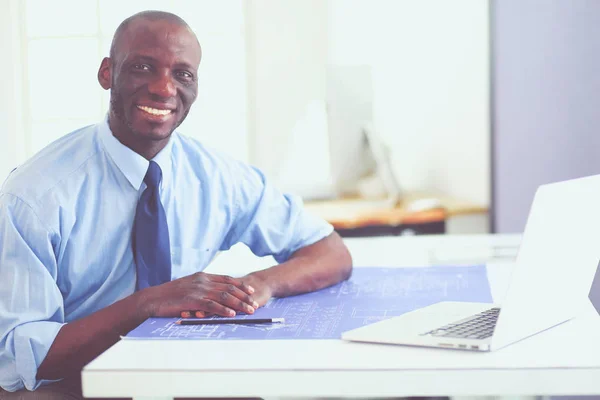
355	217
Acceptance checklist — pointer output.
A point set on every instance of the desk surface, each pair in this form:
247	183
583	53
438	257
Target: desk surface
563	360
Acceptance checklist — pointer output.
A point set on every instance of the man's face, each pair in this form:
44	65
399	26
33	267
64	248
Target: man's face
153	80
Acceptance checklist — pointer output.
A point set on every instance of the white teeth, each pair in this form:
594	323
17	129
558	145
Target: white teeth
154	111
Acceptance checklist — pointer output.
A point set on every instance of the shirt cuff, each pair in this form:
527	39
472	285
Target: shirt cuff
32	341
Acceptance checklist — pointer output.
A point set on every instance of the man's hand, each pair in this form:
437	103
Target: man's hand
310	268
262	291
207	294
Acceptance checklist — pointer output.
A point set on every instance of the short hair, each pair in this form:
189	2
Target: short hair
150	15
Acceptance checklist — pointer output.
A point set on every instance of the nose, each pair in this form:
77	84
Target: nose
163	86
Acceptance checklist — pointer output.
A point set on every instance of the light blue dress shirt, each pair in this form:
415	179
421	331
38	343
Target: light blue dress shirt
66	218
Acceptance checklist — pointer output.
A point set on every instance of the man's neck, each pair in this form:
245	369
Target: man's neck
144	147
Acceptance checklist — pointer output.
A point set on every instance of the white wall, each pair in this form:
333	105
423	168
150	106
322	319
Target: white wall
287	54
12	148
430	77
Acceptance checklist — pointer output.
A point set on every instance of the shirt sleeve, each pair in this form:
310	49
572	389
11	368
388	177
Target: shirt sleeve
31	305
270	222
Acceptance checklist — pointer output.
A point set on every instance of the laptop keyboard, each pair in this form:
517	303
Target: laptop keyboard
478	326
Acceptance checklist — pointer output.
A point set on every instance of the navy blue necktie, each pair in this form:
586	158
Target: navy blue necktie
151	247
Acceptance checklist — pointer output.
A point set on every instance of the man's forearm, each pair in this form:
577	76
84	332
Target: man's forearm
80	341
313	267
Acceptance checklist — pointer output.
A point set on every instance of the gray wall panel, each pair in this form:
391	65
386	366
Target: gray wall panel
546	100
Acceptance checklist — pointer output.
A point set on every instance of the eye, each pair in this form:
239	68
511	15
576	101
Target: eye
141	67
184	75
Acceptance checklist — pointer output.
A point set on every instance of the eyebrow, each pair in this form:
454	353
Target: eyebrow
184	65
143	58
179	64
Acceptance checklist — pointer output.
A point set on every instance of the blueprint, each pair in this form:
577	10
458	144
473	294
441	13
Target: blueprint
370	295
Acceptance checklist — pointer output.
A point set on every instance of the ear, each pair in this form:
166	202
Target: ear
104	73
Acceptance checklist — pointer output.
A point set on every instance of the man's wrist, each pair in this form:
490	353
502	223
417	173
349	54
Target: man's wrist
265	280
143	304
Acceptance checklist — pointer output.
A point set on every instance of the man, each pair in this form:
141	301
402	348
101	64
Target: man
110	224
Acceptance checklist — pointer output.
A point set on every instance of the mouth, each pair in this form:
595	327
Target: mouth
159	112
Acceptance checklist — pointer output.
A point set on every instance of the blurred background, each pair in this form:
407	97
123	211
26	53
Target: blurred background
386	116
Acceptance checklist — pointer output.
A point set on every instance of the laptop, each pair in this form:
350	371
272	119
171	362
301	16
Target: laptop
555	267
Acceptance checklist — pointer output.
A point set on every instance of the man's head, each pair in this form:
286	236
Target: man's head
152	73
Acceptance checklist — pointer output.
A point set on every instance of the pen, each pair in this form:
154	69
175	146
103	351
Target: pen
229	321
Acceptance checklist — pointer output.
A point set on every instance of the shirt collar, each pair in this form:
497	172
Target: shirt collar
165	161
131	164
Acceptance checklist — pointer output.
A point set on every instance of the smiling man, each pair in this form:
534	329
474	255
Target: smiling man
115	222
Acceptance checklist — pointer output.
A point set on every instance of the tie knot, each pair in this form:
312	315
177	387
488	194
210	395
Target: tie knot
153	175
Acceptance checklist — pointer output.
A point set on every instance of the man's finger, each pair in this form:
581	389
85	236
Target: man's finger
228	300
210	306
226	279
193	313
236	292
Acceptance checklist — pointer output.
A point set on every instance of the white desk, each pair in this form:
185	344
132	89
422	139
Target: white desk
564	360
